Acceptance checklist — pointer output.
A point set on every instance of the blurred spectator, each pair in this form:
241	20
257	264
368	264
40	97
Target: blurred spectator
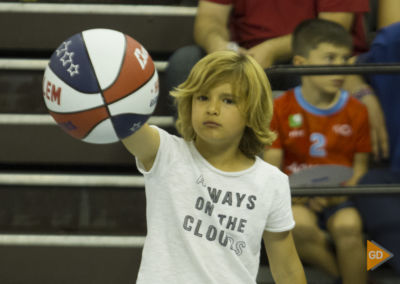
381	214
306	120
263	29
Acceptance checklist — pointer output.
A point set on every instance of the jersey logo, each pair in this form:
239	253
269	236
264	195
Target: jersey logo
296	133
295	120
342	129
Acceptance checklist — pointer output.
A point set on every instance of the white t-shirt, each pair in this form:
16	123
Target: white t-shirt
205	225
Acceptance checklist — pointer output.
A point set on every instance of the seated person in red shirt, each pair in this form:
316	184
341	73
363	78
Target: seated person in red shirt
319	123
263	29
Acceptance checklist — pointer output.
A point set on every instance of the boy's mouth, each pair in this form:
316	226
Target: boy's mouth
210	123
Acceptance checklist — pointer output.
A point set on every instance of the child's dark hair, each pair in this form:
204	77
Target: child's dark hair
310	33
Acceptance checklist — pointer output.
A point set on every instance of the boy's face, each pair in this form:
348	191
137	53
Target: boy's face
325	54
216	117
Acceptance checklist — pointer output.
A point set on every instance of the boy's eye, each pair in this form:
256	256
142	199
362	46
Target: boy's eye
201	98
228	101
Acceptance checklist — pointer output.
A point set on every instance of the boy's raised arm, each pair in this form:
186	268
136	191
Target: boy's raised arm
144	144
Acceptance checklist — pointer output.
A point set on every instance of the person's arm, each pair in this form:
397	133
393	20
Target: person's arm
357	87
211	29
360	168
272	50
388	12
343	18
144	144
284	261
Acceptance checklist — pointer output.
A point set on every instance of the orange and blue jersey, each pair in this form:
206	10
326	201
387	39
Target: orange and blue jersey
312	136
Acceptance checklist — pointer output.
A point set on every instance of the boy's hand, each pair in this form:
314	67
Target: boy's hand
300	200
333	201
317	204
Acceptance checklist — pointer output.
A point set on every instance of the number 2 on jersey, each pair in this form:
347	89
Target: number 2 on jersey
317	148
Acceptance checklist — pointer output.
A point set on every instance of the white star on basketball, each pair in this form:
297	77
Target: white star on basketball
136	126
73	69
63	48
67	58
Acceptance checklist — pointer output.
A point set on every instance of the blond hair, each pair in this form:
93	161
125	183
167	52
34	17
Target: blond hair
249	84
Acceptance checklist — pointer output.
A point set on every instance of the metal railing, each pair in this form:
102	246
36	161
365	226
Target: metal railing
101	9
366	68
132	181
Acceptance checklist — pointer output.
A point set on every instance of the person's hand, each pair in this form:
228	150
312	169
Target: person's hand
317	204
219	45
231	45
379	135
335	200
227	45
300	200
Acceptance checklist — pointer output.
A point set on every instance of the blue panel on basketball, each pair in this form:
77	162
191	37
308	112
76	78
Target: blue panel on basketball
128	123
71	63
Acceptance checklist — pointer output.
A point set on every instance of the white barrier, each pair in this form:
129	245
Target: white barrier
86	180
40	64
114	9
71	240
46	119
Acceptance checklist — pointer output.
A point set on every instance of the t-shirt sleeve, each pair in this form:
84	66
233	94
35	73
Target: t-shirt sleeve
165	154
280	218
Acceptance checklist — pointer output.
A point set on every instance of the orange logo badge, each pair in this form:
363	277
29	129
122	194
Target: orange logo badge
376	255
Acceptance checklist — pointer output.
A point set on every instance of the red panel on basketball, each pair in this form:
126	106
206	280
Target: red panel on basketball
137	68
86	120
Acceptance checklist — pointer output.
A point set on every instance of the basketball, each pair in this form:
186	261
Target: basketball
100	86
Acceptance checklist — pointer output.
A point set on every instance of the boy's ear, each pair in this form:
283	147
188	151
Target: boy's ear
298	60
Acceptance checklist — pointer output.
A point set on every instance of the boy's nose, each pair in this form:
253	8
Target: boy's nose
213	108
